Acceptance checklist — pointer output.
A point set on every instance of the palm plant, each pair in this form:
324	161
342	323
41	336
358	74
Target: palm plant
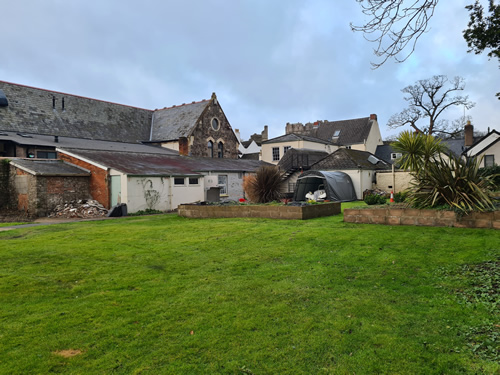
417	149
264	186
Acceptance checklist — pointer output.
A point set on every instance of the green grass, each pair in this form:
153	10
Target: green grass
169	295
10	224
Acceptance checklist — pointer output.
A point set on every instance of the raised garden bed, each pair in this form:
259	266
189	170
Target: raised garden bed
433	218
262	211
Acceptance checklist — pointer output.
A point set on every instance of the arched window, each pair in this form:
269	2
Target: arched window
210	149
220	150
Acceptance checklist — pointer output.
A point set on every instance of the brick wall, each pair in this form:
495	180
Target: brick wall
434	218
99	180
39	111
270	212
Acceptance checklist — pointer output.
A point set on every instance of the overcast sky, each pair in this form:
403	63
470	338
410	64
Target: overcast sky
269	61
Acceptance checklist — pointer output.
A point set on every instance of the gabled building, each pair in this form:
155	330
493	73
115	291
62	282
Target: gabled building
196	129
358	134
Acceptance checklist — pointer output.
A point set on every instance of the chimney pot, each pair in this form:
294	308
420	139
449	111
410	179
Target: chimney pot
373	116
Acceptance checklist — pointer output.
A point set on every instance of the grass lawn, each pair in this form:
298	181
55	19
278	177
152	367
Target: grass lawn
170	295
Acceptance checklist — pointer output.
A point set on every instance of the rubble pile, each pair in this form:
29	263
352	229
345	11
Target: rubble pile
82	208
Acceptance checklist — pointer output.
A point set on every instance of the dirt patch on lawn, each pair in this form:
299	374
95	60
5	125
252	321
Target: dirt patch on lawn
68	353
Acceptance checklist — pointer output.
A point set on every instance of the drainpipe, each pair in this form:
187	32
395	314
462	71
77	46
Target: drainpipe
170	193
393	179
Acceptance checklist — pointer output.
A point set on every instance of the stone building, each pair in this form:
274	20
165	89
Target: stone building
196	129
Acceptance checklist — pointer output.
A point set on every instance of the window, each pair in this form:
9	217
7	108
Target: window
179	181
46	155
222	182
215	124
210	149
276	153
286	148
336	133
220	150
193	181
489	161
348	147
395	155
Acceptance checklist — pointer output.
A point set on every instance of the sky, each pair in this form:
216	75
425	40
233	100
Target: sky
269	62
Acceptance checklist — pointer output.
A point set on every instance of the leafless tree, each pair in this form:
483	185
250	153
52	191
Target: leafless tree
395	25
429	98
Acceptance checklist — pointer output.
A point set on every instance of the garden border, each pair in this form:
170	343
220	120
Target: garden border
433	218
261	211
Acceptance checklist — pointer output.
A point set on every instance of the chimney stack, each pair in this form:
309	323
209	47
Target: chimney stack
264	134
469	134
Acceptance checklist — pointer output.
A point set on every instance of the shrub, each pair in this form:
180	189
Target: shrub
372	199
264	186
455	182
400	196
494	172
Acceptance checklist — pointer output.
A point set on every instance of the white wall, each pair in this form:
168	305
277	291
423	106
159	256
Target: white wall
361	179
401	182
267	149
159	193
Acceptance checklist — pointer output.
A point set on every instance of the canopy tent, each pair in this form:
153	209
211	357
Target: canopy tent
337	185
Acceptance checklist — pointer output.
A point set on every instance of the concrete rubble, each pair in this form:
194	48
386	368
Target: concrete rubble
79	209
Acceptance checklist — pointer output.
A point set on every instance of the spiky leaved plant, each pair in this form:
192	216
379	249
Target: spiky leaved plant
264	186
417	149
455	182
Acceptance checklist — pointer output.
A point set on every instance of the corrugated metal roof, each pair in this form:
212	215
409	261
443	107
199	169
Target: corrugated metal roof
67	142
147	164
49	167
175	122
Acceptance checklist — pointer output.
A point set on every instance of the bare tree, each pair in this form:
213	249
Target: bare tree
394	25
429	98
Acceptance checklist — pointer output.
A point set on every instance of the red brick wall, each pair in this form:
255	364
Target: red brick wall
99	180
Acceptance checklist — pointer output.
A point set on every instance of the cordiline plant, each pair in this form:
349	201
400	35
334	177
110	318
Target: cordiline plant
264	186
455	182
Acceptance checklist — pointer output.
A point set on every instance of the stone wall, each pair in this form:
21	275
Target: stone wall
205	132
99	180
38	111
39	195
5	186
269	212
433	218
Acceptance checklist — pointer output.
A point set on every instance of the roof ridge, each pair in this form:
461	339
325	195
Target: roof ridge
183	104
77	96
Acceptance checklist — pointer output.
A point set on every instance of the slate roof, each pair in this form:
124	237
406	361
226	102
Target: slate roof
39	167
384	152
178	121
68	142
294	138
148	164
352	131
349	159
30	110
